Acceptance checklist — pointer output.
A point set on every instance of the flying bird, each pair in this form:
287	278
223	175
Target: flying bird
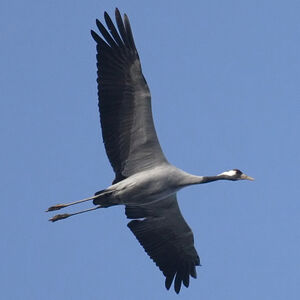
145	182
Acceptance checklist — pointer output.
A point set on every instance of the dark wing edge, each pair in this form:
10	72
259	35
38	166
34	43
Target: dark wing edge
167	239
127	126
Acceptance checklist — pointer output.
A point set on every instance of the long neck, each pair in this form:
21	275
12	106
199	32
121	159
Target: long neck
193	179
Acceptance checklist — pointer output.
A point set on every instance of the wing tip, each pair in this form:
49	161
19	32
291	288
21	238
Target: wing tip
117	13
95	36
98	23
169	280
182	276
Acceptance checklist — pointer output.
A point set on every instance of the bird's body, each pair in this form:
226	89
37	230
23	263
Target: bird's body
145	182
147	186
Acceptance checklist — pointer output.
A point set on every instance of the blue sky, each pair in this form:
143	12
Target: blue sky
224	78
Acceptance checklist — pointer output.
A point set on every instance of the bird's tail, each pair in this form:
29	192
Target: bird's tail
105	198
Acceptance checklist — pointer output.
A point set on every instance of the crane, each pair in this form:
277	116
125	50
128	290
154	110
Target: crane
145	182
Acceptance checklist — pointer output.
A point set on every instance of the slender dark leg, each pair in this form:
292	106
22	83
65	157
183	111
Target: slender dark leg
60	206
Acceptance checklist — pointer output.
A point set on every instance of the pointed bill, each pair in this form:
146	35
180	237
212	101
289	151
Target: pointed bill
246	177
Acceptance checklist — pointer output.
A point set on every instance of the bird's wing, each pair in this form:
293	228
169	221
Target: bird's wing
128	131
167	239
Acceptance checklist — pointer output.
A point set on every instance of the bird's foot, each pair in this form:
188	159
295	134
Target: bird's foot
56	207
59	217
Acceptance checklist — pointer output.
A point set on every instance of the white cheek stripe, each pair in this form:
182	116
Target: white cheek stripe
229	173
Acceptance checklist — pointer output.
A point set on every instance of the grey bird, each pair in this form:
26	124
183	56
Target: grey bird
145	182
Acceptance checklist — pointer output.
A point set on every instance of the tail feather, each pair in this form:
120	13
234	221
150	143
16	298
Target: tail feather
99	192
104	199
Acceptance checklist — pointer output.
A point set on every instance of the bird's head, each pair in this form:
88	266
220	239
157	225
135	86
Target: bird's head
235	174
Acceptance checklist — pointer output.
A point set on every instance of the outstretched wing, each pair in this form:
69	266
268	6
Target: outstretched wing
166	238
124	101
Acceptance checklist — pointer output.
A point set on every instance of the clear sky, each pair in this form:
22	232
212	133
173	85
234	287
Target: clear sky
224	78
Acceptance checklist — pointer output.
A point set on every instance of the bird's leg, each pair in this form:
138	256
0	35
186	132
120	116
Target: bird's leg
60	206
64	216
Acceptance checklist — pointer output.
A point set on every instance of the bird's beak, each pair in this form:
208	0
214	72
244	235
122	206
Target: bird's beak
246	177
